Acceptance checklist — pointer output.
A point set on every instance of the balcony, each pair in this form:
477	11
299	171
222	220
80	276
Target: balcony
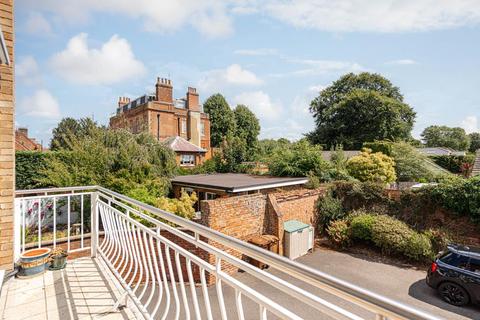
132	260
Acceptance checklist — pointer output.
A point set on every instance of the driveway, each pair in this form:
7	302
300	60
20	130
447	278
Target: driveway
404	284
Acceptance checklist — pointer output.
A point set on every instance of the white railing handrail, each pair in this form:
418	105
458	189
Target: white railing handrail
365	298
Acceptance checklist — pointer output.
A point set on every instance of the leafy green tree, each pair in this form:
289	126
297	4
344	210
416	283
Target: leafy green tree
474	141
222	118
116	159
267	147
298	160
68	129
410	165
443	136
360	108
373	167
247	127
232	153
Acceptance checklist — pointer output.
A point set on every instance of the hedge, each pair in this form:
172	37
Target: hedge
28	167
453	163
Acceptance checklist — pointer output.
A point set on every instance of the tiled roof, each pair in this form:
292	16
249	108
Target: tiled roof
179	144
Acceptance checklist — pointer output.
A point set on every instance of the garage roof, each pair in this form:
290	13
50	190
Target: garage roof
236	182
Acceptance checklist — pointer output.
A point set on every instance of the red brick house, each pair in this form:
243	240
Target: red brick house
24	143
180	122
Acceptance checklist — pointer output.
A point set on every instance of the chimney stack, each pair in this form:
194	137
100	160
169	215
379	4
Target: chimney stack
164	90
192	99
23	131
123	101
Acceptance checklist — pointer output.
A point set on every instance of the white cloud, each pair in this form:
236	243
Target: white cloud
37	24
232	75
27	71
215	17
210	17
375	15
113	62
260	103
316	88
40	104
257	52
313	67
402	62
471	124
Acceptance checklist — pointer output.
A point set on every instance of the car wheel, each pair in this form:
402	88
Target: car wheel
453	294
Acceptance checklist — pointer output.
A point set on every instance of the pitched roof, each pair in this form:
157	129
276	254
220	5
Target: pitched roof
179	144
327	155
236	182
440	151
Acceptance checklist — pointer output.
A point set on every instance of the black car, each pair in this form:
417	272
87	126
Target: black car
455	274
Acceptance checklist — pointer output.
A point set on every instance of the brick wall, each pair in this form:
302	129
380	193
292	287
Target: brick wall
7	140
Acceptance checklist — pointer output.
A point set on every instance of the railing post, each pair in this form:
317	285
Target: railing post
17	229
94	224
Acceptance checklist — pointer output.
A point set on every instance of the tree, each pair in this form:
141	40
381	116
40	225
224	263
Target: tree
410	165
247	127
474	141
298	160
116	159
232	153
68	129
360	108
222	118
443	136
373	167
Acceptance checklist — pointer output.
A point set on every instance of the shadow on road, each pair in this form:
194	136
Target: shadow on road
421	291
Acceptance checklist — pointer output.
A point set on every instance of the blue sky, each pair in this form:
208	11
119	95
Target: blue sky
75	59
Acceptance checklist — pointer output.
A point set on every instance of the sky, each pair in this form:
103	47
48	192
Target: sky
74	58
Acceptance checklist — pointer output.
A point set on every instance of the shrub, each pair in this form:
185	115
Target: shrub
396	237
390	234
375	167
357	195
328	209
438	238
361	226
313	181
339	233
418	247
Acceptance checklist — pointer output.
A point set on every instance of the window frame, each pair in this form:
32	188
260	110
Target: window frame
191	162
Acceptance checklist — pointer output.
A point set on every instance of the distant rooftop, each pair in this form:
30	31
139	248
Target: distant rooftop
236	182
179	144
327	155
441	151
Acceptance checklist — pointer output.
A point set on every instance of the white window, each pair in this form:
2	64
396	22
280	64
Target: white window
210	196
187	160
184	126
202	128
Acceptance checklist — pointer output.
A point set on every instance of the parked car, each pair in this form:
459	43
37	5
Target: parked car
455	274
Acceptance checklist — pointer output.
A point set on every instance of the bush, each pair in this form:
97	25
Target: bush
356	195
459	195
374	167
393	236
361	226
418	247
313	181
438	238
328	209
339	233
453	163
390	234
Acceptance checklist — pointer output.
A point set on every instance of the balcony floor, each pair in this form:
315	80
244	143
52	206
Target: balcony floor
83	290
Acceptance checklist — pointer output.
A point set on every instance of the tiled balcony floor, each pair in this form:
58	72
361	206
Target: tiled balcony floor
80	291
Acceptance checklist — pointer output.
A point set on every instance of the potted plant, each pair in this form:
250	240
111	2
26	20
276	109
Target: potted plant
58	259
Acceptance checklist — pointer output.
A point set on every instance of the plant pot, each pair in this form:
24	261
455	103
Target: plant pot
33	262
58	262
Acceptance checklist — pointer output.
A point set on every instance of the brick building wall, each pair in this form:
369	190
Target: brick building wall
245	216
7	140
163	118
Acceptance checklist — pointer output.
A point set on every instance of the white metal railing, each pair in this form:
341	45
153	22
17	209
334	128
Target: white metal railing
165	264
